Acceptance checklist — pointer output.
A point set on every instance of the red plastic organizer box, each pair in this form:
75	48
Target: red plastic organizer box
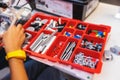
67	41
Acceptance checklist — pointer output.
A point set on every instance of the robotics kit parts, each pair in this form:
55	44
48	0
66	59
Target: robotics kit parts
67	34
68	51
57	48
78	51
28	37
83	60
107	56
81	27
115	50
96	33
4	23
77	36
55	25
91	45
41	42
37	24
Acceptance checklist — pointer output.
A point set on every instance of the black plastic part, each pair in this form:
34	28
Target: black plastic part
32	4
21	21
3	5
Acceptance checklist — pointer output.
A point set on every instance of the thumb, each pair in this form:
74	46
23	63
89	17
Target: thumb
1	36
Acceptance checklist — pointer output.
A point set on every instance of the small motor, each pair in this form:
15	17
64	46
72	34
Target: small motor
107	56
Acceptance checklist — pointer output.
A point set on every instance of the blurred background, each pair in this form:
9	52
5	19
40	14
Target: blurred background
114	2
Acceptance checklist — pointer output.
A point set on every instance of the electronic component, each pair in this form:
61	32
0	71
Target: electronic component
107	56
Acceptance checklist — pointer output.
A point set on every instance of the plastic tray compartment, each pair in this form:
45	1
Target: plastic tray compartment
93	44
29	37
78	34
42	22
98	30
38	47
71	24
68	32
56	23
81	25
67	50
86	60
56	48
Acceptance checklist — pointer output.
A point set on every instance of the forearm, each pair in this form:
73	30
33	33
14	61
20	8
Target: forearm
17	69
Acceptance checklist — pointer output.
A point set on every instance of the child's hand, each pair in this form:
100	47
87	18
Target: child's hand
13	38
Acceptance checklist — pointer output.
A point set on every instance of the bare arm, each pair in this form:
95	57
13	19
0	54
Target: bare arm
13	39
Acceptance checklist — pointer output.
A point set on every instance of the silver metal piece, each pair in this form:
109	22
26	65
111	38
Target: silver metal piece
44	21
47	40
41	42
69	51
50	24
61	57
31	29
28	35
36	42
85	61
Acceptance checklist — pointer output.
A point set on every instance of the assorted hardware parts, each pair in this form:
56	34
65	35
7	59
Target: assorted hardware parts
37	24
96	33
41	42
10	16
67	33
24	16
77	36
28	37
5	17
53	24
68	51
83	60
91	45
5	22
81	27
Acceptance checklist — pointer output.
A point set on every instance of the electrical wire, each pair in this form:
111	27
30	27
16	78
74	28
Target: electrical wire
18	2
23	5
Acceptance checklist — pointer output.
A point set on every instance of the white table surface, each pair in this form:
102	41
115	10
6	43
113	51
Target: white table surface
104	14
